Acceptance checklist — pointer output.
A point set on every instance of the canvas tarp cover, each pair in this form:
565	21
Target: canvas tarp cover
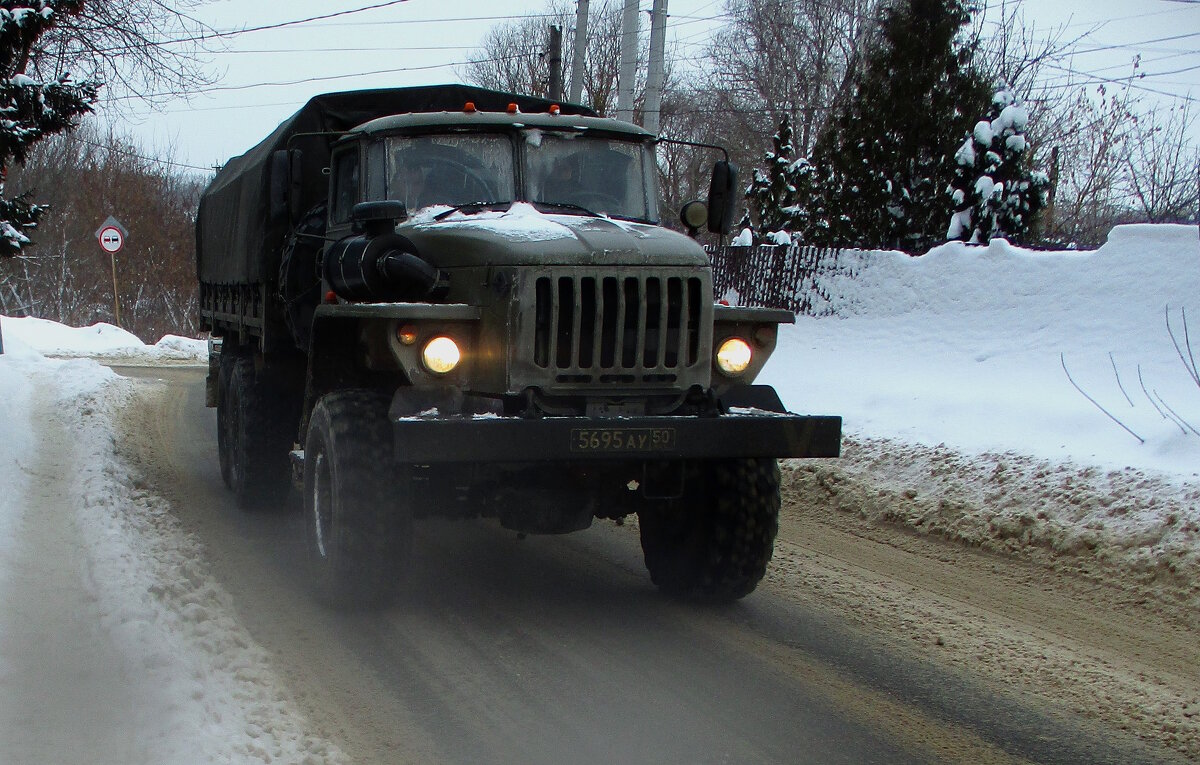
236	241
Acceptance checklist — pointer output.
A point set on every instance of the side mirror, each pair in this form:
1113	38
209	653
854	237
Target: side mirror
285	186
722	197
378	217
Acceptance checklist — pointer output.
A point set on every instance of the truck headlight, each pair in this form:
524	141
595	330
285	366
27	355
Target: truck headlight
734	355
441	355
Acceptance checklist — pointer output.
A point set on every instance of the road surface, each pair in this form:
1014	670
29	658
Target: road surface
866	644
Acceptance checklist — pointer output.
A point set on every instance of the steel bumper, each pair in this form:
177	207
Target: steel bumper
428	440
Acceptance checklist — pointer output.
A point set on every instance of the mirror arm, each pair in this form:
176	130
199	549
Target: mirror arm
698	145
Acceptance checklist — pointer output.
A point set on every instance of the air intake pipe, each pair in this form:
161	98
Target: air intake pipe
381	269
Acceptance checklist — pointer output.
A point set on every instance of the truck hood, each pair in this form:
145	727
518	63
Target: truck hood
522	235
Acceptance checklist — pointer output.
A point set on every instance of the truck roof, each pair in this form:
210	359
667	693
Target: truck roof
498	119
238	243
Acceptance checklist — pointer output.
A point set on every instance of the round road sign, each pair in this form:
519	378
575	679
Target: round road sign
111	239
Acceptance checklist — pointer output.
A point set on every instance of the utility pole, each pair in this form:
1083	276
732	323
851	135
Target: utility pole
577	62
555	63
628	71
1051	212
654	79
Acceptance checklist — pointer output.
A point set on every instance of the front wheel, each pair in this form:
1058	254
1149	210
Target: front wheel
357	519
714	543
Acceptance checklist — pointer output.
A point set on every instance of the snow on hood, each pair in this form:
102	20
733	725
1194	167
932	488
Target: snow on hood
522	222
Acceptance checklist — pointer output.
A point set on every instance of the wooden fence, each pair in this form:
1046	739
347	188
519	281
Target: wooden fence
783	276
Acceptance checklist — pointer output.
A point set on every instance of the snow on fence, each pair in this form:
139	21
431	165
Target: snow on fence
775	276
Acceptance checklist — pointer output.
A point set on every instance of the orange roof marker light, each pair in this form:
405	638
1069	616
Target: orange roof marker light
555	109
469	107
512	109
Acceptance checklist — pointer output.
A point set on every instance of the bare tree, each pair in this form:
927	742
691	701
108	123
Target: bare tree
514	56
1112	159
145	49
1160	165
795	58
66	277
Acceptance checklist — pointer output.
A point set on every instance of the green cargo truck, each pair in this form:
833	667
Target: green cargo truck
449	301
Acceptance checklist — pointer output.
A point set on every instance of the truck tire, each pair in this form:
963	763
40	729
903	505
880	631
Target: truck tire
357	515
257	427
713	545
225	437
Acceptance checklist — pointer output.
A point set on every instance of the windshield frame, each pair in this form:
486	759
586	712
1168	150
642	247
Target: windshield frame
525	142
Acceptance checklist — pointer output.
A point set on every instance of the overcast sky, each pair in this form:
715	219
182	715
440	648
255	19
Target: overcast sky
265	76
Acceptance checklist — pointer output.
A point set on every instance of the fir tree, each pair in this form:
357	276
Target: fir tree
31	110
994	192
887	148
788	196
772	190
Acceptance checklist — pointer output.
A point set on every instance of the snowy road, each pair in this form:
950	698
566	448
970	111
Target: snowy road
865	644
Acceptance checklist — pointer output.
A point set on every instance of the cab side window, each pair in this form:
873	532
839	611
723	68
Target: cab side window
345	186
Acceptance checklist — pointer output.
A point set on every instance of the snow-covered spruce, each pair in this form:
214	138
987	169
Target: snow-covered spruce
994	191
31	110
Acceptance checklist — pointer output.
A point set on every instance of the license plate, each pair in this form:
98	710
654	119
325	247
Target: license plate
622	439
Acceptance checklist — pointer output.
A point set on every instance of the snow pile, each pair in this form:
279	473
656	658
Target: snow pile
178	679
949	372
1144	525
965	346
103	341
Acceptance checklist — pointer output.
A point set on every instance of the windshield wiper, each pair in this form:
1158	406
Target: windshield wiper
470	207
569	206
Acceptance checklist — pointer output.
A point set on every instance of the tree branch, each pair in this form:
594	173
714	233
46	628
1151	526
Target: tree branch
1062	358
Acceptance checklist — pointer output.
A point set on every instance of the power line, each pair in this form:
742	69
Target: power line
1138	45
391	49
313	21
134	154
306	80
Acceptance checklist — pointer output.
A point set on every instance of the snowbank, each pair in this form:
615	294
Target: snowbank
965	346
116	644
949	372
102	341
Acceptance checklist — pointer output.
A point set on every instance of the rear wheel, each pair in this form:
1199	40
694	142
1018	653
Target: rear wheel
225	436
714	544
257	423
357	515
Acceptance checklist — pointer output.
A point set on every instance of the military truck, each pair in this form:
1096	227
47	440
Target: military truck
450	301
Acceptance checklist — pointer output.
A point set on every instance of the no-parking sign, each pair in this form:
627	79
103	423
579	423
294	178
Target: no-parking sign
111	236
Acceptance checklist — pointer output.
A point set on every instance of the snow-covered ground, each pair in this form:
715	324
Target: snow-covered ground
116	646
966	345
947	369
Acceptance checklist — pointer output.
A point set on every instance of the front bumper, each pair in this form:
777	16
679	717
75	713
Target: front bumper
488	438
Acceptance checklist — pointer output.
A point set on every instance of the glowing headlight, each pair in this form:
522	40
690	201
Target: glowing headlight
441	355
733	357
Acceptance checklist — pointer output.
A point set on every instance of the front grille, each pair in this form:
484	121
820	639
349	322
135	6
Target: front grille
618	329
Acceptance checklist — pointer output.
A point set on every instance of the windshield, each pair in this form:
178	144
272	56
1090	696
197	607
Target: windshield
452	169
599	174
562	172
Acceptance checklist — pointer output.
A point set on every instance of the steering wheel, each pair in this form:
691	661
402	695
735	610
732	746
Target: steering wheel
596	201
459	183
